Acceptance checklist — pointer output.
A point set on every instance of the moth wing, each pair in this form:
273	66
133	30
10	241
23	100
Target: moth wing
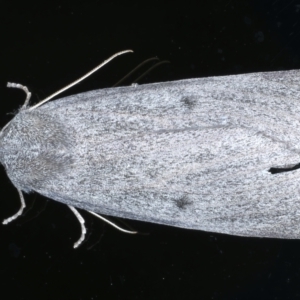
193	153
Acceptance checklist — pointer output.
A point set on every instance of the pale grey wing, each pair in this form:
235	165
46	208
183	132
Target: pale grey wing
192	153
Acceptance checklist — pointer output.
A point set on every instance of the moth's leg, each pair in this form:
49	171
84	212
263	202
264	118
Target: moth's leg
20	211
21	87
81	221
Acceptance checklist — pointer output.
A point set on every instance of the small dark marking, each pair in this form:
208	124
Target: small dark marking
282	169
188	102
182	202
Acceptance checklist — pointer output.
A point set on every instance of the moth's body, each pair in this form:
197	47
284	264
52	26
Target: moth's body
192	153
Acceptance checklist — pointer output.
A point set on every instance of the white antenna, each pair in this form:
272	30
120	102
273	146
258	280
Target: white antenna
80	79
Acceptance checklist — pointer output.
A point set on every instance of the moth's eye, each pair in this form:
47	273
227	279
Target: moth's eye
286	168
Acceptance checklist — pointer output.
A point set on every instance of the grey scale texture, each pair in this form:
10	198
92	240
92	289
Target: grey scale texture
192	153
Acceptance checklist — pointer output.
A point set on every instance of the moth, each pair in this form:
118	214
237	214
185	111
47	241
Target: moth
195	153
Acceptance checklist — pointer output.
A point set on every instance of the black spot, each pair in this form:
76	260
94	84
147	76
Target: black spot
188	102
182	202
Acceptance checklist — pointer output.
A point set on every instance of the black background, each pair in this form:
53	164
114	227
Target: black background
46	45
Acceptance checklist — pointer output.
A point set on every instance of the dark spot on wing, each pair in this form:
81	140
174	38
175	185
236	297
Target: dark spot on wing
188	102
183	202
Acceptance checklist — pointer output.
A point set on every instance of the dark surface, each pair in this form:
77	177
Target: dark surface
47	45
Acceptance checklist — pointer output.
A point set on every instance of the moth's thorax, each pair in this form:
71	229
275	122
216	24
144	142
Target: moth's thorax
33	147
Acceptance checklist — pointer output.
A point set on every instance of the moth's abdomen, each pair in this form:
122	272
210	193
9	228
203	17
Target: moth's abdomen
34	149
